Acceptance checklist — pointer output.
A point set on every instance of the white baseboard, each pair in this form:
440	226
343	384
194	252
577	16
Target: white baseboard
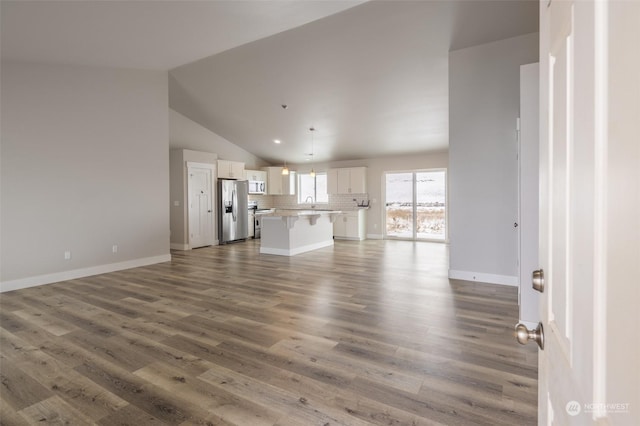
484	278
375	236
179	246
80	273
297	250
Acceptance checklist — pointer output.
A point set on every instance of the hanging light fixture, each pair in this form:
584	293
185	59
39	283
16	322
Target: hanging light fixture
313	172
285	169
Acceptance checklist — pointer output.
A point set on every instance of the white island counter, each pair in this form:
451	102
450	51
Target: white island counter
291	232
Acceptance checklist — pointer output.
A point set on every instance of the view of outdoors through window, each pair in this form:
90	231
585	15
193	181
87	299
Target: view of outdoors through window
423	218
312	190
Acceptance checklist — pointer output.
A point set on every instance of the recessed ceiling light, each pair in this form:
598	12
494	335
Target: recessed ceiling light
276	141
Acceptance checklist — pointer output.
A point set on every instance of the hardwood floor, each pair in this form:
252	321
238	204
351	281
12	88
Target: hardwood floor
361	333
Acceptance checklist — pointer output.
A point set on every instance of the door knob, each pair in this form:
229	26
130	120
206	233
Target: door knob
523	335
537	280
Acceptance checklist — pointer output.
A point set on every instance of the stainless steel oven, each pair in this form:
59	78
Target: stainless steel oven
258	221
257	226
253	206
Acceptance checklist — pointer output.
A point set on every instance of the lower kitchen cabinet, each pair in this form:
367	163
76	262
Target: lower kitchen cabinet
350	225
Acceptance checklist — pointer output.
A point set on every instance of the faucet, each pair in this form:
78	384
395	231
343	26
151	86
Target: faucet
308	200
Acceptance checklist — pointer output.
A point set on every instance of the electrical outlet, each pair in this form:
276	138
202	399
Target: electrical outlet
176	203
67	255
114	248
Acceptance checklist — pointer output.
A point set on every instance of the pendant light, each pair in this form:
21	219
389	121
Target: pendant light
313	172
285	169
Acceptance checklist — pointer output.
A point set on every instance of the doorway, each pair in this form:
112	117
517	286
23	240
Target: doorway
200	190
415	205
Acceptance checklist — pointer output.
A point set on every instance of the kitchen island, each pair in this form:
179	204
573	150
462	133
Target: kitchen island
291	232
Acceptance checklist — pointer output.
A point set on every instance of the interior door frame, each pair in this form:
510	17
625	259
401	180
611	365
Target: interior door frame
528	192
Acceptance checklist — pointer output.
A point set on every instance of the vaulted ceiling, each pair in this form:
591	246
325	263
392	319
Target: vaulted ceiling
370	77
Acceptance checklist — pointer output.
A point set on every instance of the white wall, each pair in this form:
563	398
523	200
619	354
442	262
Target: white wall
483	176
85	155
185	133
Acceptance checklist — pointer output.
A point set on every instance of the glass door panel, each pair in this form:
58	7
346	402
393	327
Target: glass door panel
430	205
399	205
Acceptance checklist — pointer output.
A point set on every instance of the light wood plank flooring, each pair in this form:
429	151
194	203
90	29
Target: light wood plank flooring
360	333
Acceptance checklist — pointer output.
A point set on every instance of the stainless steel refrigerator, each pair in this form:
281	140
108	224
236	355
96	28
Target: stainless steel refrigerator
232	210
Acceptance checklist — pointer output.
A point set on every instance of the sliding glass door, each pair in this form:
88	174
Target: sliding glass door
415	205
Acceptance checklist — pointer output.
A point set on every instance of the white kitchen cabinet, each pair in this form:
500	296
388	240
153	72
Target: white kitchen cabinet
351	180
357	180
277	184
255	175
332	181
274	180
289	183
230	169
350	225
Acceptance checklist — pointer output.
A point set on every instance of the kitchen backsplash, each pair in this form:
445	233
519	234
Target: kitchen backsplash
336	202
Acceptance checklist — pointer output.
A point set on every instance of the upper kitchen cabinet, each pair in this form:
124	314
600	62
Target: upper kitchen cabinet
289	183
279	184
255	175
230	169
352	180
274	180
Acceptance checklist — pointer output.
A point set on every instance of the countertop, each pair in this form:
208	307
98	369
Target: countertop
297	212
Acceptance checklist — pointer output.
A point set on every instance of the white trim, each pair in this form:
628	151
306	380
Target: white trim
349	238
179	246
80	273
601	174
197	165
297	250
482	277
375	237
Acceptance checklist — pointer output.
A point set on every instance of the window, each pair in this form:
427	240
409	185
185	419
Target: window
312	190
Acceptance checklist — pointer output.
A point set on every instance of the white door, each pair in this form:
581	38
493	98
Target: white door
589	370
201	216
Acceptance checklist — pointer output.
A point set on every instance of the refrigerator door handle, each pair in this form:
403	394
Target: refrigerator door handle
234	205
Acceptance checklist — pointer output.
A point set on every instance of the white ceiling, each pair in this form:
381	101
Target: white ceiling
146	34
371	78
